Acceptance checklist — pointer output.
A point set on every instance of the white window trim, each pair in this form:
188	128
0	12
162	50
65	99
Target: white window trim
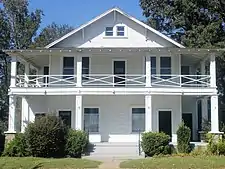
99	122
135	106
115	32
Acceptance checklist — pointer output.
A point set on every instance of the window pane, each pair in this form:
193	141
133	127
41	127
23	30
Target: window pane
91	119
165	62
165	71
138	119
68	62
153	62
120	28
67	71
120	33
108	29
85	65
66	117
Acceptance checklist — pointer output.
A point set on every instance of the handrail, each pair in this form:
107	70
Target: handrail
112	80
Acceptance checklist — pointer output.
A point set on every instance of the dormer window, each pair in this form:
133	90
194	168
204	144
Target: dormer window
120	31
109	31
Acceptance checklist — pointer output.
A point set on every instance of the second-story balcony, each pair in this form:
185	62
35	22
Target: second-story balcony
112	80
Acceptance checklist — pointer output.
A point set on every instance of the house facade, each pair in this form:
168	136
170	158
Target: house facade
115	77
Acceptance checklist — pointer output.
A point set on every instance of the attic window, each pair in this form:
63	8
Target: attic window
120	31
109	31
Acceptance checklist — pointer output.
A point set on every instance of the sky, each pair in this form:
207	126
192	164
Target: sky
78	12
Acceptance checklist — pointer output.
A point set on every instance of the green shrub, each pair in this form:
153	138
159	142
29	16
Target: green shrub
46	137
215	146
77	142
183	138
17	147
155	143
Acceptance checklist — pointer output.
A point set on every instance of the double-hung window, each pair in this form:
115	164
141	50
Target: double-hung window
138	119
120	31
85	68
91	120
109	31
165	67
65	117
68	67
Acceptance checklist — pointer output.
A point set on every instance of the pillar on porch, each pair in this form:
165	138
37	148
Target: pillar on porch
204	105
12	111
79	117
214	115
213	70
24	114
148	71
13	71
26	73
79	71
148	113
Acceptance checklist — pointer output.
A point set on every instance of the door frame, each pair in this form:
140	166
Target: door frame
192	121
172	120
119	59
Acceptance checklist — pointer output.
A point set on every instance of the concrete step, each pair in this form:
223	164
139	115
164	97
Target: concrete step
113	149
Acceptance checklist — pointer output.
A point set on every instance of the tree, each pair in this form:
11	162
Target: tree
194	23
18	27
51	33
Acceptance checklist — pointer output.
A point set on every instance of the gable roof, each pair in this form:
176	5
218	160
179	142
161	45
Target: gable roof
115	9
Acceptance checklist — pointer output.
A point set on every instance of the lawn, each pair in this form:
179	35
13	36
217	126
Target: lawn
30	163
200	162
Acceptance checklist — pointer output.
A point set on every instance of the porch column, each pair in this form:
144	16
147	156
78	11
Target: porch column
204	103
214	115
148	71
13	71
212	70
148	113
79	116
79	71
26	73
11	118
24	114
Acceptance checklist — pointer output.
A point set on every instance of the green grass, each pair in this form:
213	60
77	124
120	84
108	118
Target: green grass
43	163
188	162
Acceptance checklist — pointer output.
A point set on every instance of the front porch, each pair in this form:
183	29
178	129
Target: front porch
116	118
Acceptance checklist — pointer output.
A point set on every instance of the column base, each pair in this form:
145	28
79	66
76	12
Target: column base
9	136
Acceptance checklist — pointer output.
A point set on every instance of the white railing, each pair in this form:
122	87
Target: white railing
113	80
110	80
46	81
180	80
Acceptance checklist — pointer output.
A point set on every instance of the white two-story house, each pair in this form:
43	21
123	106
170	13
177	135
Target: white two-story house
114	77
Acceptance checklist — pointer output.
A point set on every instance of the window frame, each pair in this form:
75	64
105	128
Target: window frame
131	111
89	63
65	75
71	115
93	107
119	31
163	75
109	31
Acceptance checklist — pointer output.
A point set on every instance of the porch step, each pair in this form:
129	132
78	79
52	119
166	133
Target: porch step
106	149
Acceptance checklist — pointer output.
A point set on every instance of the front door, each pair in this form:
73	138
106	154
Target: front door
165	123
187	118
119	70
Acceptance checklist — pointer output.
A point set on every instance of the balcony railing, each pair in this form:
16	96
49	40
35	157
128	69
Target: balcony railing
110	80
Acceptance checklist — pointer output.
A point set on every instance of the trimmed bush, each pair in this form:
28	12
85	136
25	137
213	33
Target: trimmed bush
183	139
216	145
46	137
155	144
77	142
17	147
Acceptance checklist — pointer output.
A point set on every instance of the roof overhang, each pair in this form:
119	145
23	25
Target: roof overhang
44	51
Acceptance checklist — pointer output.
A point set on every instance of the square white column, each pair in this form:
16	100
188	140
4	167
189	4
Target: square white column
148	71
213	70
13	71
24	114
148	113
26	73
12	111
79	114
79	71
214	115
